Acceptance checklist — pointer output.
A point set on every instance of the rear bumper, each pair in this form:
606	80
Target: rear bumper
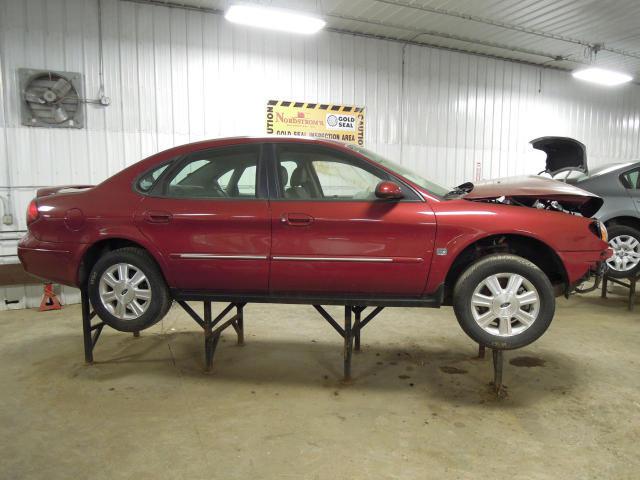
49	260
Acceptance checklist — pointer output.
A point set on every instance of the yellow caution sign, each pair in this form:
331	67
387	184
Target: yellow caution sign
320	120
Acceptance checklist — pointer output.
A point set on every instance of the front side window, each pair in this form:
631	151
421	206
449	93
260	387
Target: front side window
321	175
214	174
410	175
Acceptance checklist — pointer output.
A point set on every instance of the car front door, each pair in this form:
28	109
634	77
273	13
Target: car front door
331	235
208	214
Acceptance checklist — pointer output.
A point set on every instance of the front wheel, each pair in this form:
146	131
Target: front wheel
504	301
127	290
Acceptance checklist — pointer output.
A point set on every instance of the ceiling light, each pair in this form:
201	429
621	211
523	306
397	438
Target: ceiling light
602	76
274	19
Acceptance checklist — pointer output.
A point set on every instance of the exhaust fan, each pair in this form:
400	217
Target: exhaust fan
51	99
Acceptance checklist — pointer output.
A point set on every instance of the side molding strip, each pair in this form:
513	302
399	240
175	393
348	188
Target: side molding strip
221	256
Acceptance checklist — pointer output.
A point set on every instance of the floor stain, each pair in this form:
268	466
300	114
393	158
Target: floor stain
403	377
452	370
527	362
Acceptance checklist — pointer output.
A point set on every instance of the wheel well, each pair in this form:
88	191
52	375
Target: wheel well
632	222
95	251
537	252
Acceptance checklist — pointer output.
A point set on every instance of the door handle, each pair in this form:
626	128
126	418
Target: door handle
296	219
157	217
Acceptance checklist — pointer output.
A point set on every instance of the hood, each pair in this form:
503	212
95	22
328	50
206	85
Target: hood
563	153
528	189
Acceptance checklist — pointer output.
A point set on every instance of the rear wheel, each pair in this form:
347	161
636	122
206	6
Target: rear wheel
625	242
504	301
127	290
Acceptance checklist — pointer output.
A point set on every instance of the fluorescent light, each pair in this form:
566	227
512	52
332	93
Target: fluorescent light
274	19
602	76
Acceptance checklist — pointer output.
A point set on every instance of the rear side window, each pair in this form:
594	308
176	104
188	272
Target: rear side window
630	179
149	179
216	174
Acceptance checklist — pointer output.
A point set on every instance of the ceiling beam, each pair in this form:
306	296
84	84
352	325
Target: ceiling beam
509	26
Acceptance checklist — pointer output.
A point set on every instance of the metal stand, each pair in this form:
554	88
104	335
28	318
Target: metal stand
213	328
631	285
481	350
350	333
91	332
498	361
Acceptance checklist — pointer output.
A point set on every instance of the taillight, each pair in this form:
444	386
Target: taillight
32	212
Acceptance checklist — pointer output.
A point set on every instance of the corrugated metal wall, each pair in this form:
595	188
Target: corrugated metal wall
176	76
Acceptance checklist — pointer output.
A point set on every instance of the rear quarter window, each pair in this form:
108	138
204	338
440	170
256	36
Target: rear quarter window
149	179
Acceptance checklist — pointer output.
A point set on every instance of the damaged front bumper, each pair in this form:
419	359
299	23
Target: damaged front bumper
593	274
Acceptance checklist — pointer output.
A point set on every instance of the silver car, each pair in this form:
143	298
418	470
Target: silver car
619	186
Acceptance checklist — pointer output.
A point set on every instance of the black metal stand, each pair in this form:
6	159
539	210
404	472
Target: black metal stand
631	285
91	332
498	362
213	328
350	333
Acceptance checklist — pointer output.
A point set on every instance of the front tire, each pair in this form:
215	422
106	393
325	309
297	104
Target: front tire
127	290
625	242
504	301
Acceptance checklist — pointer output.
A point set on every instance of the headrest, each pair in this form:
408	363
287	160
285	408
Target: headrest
299	177
284	176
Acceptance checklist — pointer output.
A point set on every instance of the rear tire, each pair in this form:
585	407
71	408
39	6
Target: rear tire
625	242
504	301
127	290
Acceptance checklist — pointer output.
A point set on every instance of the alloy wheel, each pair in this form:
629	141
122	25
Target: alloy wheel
505	304
125	291
626	253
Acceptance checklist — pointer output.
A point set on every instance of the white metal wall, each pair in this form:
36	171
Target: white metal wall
176	76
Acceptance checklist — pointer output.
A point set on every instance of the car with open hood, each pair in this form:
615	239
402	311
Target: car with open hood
294	220
618	184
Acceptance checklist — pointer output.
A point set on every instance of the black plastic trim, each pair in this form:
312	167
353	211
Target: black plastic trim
434	300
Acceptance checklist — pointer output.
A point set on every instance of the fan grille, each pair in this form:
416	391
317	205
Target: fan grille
51	99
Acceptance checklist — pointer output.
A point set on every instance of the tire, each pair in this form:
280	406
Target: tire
133	307
625	242
526	322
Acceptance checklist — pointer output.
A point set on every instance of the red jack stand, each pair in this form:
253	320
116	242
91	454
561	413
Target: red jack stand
50	299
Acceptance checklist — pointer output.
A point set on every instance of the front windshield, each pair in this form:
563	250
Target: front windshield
402	171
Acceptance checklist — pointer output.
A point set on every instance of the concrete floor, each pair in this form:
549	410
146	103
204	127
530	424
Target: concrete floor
420	405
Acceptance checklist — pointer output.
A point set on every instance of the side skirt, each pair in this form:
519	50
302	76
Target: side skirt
430	301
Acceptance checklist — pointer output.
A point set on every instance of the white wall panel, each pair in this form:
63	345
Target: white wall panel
176	76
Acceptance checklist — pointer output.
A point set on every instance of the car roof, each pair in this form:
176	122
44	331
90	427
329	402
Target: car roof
611	168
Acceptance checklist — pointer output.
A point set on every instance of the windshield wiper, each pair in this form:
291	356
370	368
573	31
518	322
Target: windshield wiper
460	190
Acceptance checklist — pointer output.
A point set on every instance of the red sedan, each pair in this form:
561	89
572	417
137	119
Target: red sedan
299	220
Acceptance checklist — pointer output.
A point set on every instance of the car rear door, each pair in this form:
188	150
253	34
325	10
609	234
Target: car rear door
331	235
209	217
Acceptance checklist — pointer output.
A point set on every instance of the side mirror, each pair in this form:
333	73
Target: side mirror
389	191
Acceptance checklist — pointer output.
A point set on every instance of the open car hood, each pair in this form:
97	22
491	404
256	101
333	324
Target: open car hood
563	153
534	191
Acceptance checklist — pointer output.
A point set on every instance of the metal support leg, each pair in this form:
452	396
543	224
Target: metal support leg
604	286
632	293
348	343
481	351
497	371
356	337
136	334
208	337
86	326
240	325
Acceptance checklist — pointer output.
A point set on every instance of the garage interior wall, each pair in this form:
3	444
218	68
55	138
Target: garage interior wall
176	76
